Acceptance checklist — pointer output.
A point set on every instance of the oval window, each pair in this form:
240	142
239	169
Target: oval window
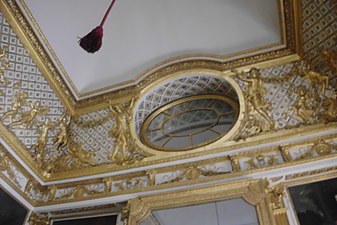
189	122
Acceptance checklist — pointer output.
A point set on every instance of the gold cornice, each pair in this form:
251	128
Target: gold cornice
29	40
25	32
228	146
22	171
190	180
14	143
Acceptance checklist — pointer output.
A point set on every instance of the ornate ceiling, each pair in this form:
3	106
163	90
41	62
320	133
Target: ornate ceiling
59	149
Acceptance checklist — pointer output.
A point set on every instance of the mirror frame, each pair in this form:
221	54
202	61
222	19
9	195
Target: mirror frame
252	191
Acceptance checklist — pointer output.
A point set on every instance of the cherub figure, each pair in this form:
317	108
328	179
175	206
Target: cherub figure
61	139
76	151
41	144
303	108
256	93
17	106
316	78
331	57
28	117
4	65
120	131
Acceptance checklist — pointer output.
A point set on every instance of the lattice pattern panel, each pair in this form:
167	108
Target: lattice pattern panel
278	94
192	84
319	26
24	74
95	138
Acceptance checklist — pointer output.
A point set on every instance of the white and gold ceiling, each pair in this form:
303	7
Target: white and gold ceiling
78	127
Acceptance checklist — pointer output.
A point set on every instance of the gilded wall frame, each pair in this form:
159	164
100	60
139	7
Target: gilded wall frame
252	191
305	179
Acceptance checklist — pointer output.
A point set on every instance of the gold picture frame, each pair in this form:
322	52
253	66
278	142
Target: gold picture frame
253	191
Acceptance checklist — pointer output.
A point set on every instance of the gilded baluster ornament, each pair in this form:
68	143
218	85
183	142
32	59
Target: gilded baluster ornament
151	177
276	194
125	215
235	163
285	153
51	192
107	184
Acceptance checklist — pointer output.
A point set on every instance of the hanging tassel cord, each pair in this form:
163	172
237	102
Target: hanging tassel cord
107	13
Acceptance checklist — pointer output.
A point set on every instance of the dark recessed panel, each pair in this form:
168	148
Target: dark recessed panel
316	203
104	220
11	212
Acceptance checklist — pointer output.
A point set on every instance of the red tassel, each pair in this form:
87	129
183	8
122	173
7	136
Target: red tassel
92	42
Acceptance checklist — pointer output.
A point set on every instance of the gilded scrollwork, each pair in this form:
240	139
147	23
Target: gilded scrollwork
192	173
262	161
5	166
77	192
127	184
322	148
37	219
256	192
276	194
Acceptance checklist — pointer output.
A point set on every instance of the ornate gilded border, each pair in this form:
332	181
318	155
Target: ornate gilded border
252	191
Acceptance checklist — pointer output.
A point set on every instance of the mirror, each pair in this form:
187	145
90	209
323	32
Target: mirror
229	212
243	202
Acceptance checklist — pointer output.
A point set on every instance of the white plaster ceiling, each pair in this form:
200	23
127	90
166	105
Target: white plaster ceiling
141	34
